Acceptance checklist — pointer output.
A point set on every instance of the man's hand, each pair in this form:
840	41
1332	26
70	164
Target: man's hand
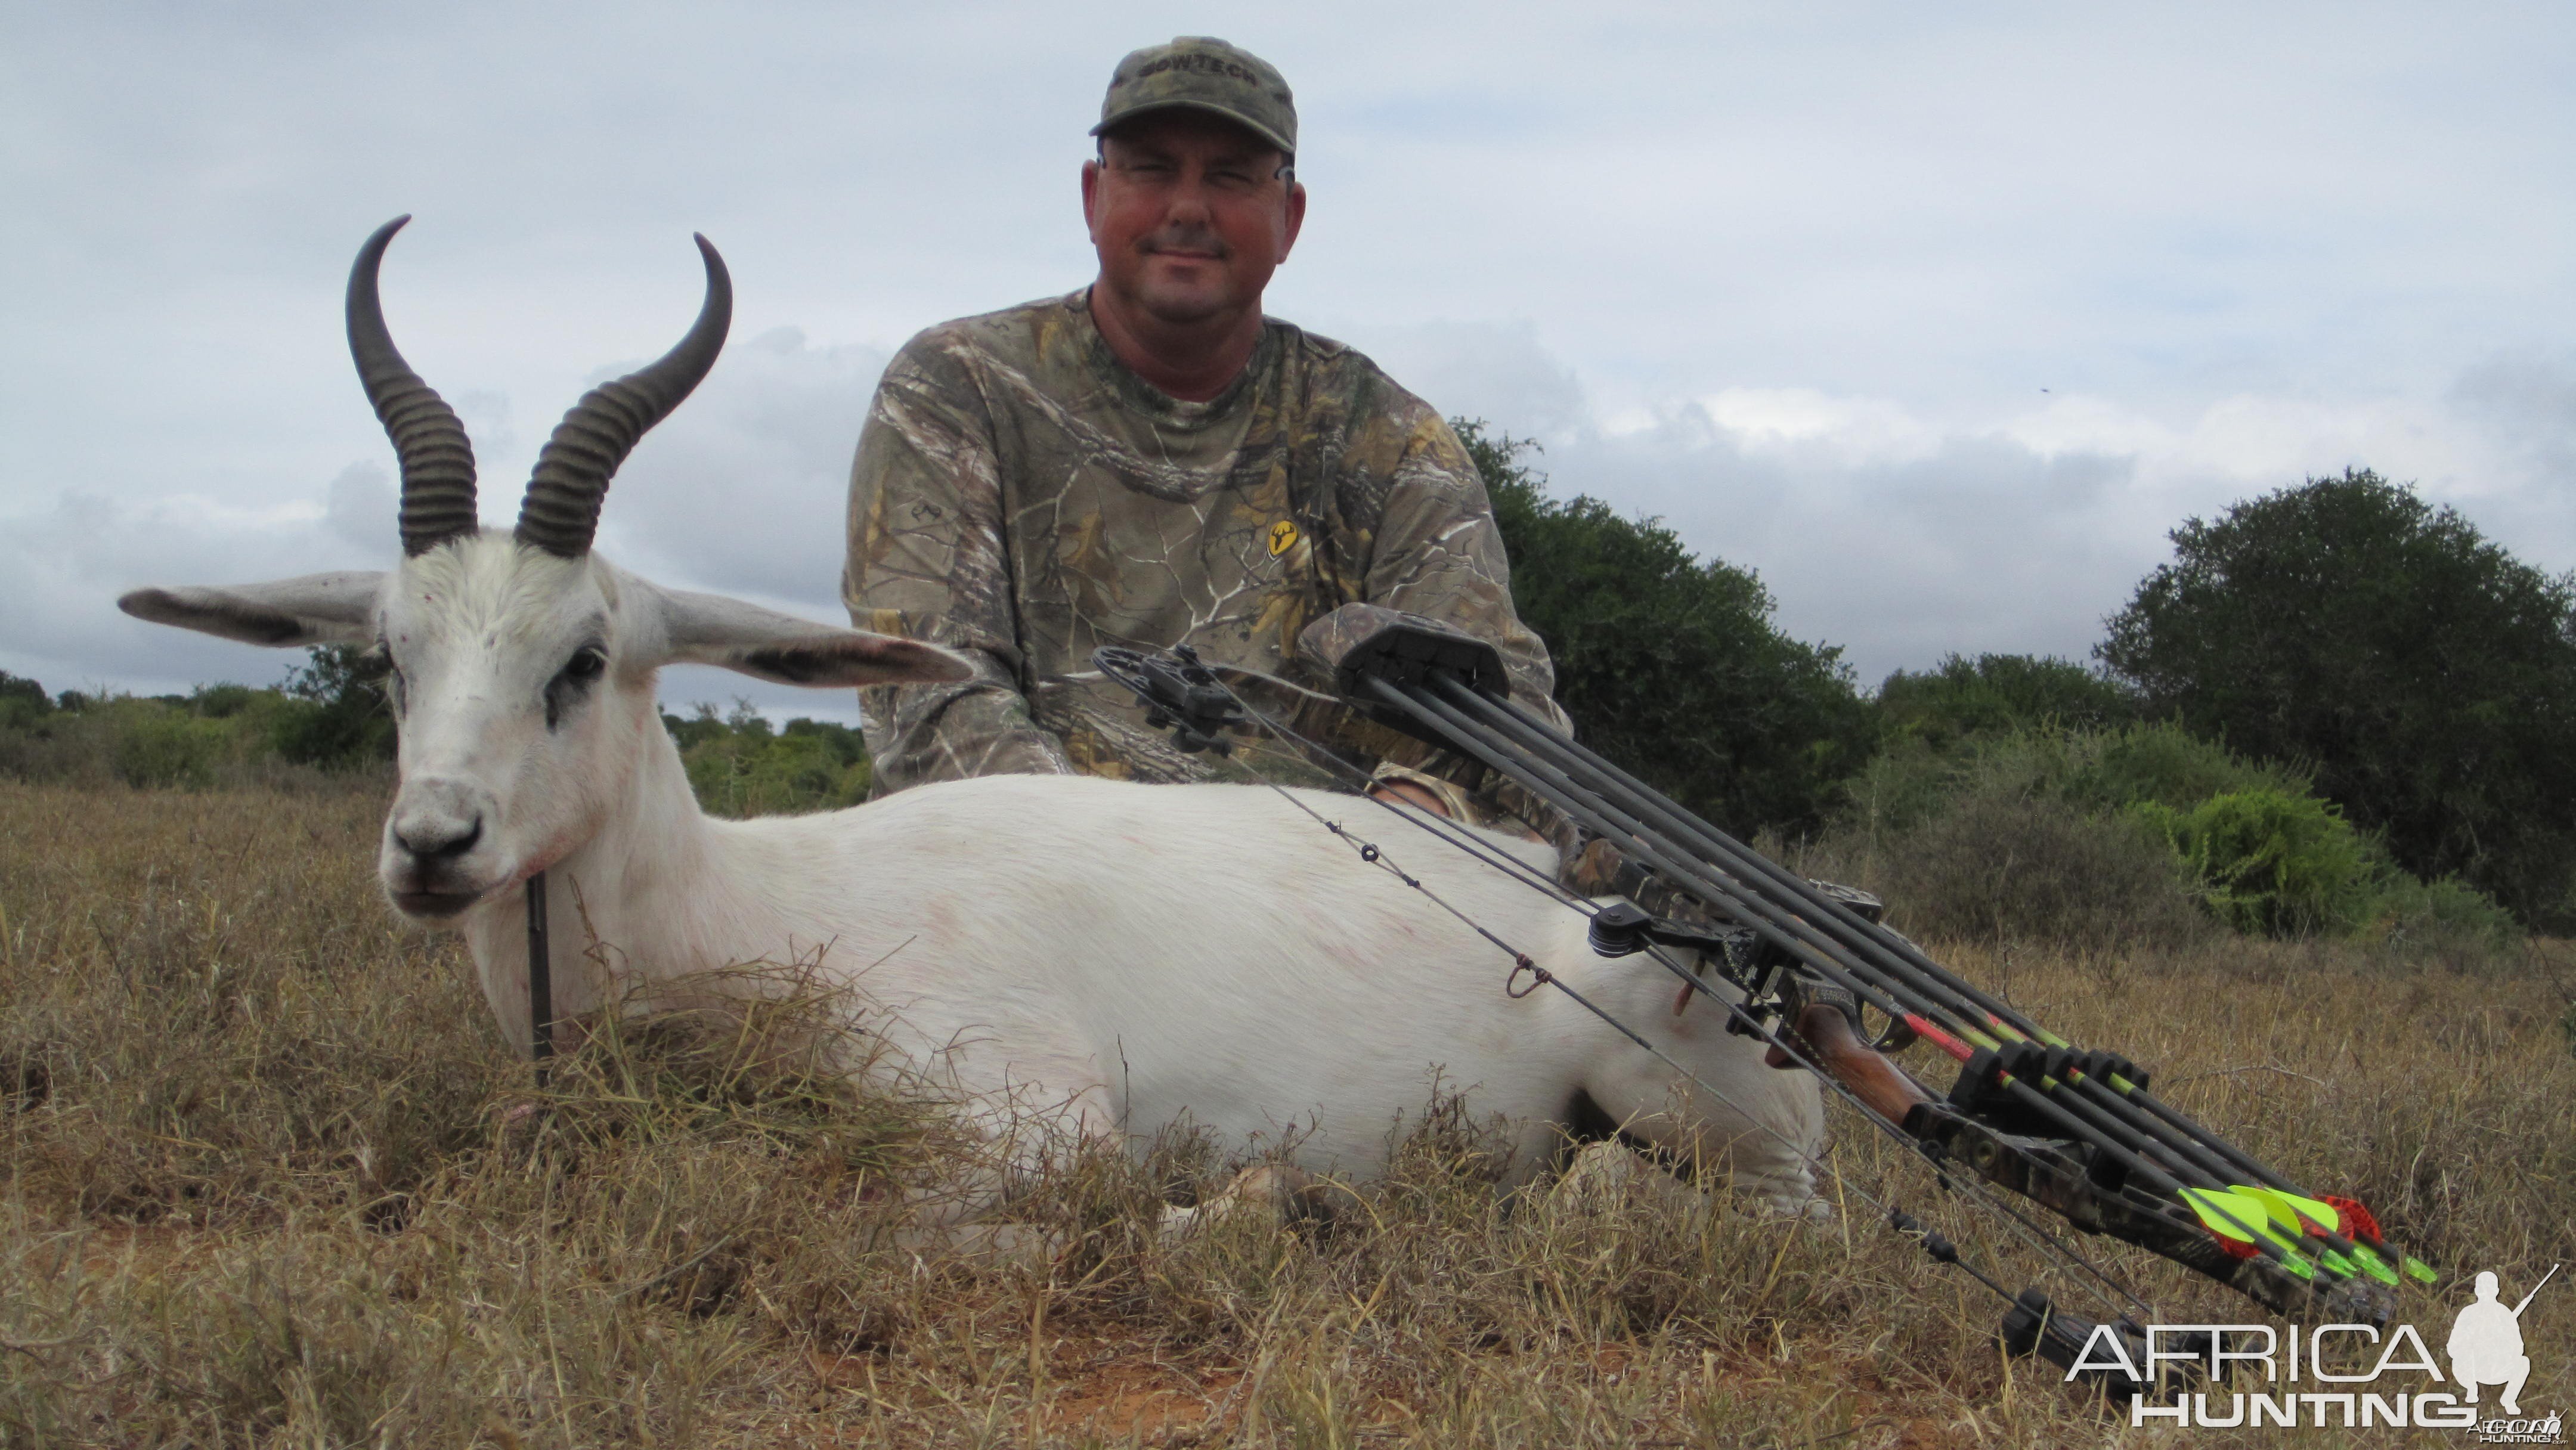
1415	795
1409	793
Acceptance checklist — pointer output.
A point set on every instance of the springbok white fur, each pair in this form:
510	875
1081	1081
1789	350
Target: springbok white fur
1131	956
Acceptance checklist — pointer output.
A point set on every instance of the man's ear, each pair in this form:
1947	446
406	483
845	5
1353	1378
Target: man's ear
315	609
1296	218
708	629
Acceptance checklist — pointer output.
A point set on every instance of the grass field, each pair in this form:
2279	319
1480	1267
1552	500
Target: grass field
271	1178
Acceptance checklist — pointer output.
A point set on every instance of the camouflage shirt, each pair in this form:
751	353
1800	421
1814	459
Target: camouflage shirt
1023	497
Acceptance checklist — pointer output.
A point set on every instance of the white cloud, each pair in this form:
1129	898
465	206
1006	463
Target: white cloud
1851	432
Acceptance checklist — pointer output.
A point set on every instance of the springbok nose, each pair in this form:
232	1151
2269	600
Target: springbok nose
440	840
437	820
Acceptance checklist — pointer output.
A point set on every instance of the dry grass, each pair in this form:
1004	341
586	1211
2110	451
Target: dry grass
271	1178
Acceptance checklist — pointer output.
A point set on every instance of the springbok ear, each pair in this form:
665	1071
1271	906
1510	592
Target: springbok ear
315	609
707	629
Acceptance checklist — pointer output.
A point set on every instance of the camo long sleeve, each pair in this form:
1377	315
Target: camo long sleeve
1020	495
927	560
1439	553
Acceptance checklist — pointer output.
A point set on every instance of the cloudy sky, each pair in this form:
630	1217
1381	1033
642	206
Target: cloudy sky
1937	316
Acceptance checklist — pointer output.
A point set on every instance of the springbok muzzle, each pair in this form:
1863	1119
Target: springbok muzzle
435	858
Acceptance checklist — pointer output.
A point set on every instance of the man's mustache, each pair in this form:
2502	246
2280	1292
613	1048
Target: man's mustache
1184	239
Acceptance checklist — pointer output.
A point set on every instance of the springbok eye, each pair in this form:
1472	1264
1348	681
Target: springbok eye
395	686
573	681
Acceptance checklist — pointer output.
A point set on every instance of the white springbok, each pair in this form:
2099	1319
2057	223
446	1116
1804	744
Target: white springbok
1126	956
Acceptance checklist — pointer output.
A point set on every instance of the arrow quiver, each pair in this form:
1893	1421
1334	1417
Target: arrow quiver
2075	1131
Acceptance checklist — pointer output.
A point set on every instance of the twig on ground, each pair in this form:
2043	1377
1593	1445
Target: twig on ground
676	1270
2250	1067
32	1347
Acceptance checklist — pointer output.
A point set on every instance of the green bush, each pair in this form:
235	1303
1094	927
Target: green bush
2425	674
1999	694
339	716
2095	771
155	745
2448	918
2249	839
2002	866
2165	764
22	702
739	767
328	723
2271	863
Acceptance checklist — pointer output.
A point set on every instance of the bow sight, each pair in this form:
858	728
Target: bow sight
1180	694
2076	1131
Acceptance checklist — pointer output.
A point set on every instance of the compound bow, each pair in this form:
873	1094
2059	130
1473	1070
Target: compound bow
2076	1131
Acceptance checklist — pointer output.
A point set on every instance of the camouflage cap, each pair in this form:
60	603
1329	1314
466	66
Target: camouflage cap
1203	73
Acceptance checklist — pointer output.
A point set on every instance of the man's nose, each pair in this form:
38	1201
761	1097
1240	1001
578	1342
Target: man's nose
1190	199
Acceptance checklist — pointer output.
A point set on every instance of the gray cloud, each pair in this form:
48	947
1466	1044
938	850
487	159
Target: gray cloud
62	566
1983	544
1494	371
742	489
2529	401
361	506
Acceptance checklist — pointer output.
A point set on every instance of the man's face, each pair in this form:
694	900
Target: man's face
1189	215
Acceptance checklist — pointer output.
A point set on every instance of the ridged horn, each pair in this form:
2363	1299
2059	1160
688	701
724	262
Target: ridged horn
437	461
561	511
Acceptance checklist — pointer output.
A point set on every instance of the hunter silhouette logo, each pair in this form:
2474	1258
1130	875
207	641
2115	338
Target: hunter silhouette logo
2486	1343
2485	1348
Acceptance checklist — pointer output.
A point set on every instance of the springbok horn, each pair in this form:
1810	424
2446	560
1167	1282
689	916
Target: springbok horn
437	462
562	508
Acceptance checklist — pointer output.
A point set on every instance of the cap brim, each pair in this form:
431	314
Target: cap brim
1150	107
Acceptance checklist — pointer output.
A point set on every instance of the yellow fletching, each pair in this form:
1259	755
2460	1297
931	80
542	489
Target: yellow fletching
2236	1214
2288	1208
2220	1216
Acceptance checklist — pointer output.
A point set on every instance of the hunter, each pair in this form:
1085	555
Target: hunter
1150	461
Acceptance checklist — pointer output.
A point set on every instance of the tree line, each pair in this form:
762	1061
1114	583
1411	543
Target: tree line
2369	683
